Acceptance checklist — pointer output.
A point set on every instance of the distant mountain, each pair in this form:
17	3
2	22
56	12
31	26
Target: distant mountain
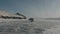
7	15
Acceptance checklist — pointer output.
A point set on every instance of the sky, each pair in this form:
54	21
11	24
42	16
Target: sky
32	8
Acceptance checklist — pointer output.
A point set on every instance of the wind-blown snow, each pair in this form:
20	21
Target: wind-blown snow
39	26
53	30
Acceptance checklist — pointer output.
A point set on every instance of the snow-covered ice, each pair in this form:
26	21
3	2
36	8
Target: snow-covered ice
39	26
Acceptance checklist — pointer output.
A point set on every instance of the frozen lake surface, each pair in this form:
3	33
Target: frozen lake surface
39	26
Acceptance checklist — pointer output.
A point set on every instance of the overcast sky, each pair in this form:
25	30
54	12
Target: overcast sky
32	8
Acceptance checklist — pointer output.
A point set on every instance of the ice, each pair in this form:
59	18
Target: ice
39	26
17	26
53	30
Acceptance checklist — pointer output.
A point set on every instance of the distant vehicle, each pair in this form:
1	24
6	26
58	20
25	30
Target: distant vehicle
31	19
